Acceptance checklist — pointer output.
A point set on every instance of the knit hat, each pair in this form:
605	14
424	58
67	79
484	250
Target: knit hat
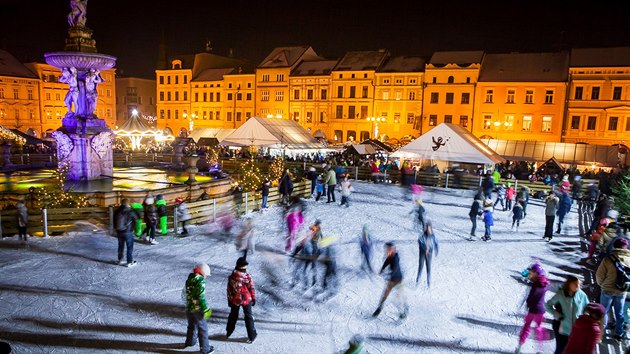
241	263
179	200
595	310
536	268
613	214
312	169
159	197
203	268
565	178
508	184
389	244
621	243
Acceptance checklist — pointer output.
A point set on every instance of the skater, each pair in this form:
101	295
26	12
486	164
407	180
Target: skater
241	293
366	250
564	206
150	219
420	212
517	214
565	306
427	244
551	205
596	237
138	209
614	290
612	233
22	220
476	209
586	332
265	194
488	220
160	205
501	193
395	280
509	195
592	193
197	310
346	188
295	219
327	257
285	187
315	236
523	195
124	221
304	259
245	239
487	185
535	305
319	187
331	182
312	176
182	214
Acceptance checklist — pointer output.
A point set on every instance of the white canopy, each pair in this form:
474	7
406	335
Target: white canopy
274	133
218	133
448	142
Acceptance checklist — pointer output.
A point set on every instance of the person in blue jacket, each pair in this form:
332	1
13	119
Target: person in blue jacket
566	306
488	220
564	206
427	244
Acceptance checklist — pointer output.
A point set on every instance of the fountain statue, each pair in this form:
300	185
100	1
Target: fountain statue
84	141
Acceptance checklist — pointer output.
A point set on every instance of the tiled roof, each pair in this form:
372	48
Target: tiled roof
461	58
525	67
403	64
10	66
213	74
600	57
310	68
284	57
362	60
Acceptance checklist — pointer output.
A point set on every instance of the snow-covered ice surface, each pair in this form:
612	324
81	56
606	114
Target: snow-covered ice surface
64	294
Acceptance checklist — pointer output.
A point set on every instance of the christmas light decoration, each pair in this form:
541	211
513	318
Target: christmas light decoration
250	176
276	170
55	196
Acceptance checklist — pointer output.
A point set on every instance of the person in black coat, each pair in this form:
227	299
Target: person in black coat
395	279
312	176
285	188
476	209
487	185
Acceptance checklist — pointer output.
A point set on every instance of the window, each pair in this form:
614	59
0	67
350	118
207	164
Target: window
449	97
432	120
248	96
309	94
365	135
339	112
48	96
386	81
579	91
616	93
339	91
527	123
168	80
140	98
575	122
451	79
280	77
210	115
230	85
489	96
296	94
548	96
410	118
211	97
508	122
205	97
510	96
185	79
412	95
324	94
108	93
351	112
364	112
176	95
591	124
239	116
385	95
529	96
58	97
239	96
612	123
435	96
435	80
265	78
364	92
176	114
217	115
185	97
463	121
628	124
162	113
249	85
341	76
398	95
321	117
196	96
218	96
16	94
353	91
398	81
338	135
168	114
465	98
448	118
309	117
229	116
595	93
168	96
487	122
161	80
30	94
546	124
264	95
279	95
467	80
229	96
176	79
412	81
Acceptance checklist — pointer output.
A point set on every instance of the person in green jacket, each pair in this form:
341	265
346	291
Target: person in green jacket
139	210
197	310
160	205
566	306
496	176
331	182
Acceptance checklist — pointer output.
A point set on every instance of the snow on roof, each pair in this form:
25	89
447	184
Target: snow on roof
362	60
10	66
278	133
525	67
310	68
403	64
284	56
600	57
213	74
461	58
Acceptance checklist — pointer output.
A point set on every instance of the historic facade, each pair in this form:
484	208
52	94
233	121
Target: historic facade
134	93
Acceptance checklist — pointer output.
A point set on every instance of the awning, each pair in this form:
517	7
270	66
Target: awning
362	149
378	145
208	142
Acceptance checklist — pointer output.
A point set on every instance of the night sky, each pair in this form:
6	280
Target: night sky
131	29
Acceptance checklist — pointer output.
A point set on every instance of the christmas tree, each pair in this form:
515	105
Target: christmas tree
621	191
276	169
55	196
250	176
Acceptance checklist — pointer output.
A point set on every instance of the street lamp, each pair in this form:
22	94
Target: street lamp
375	121
191	122
134	112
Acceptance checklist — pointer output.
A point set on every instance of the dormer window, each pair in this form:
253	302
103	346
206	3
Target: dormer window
176	64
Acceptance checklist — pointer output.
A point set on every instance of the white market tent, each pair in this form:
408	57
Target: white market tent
448	142
363	149
218	133
272	133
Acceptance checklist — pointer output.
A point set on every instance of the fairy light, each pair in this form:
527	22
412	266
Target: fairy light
55	196
276	169
250	176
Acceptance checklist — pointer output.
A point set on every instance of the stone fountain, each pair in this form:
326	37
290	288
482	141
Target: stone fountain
84	141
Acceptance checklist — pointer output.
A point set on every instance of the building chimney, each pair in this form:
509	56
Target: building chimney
208	46
231	53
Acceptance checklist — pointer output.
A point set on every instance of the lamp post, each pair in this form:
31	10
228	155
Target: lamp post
191	122
238	88
375	121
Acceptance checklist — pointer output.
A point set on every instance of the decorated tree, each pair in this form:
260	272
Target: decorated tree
276	169
621	191
55	196
251	178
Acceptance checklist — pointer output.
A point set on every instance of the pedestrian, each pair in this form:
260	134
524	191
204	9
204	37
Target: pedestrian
420	212
197	310
496	176
22	220
487	185
614	290
564	206
596	237
138	209
241	293
394	281
265	193
182	214
150	219
565	306
476	209
366	249
509	195
586	332
304	260
319	187
331	182
285	187
488	220
245	239
517	214
535	305
551	206
124	221
592	193
327	255
427	244
501	194
523	195
160	205
565	185
611	233
345	188
312	176
295	219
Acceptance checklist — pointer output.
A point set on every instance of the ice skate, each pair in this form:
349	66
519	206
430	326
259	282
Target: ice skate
153	242
132	264
377	312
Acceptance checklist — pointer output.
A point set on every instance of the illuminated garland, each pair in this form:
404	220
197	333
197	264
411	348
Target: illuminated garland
250	176
55	196
276	169
8	135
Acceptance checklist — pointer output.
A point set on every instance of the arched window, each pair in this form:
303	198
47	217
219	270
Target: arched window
451	79
176	64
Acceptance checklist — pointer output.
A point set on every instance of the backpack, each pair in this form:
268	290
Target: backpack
122	221
622	280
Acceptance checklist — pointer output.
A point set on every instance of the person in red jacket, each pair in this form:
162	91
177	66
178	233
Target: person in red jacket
586	331
241	293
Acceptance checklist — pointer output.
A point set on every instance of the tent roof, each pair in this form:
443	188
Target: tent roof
568	153
378	145
449	142
30	140
279	133
218	133
135	125
362	149
208	142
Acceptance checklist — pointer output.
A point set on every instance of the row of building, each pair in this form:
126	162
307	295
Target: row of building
582	95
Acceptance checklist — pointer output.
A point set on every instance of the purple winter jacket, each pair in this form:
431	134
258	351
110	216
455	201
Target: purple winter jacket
536	298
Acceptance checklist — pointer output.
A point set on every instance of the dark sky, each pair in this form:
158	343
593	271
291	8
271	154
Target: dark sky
131	29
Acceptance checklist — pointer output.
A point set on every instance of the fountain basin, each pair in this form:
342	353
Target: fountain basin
80	60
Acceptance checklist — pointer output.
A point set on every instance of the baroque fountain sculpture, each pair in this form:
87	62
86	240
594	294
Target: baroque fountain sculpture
84	141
